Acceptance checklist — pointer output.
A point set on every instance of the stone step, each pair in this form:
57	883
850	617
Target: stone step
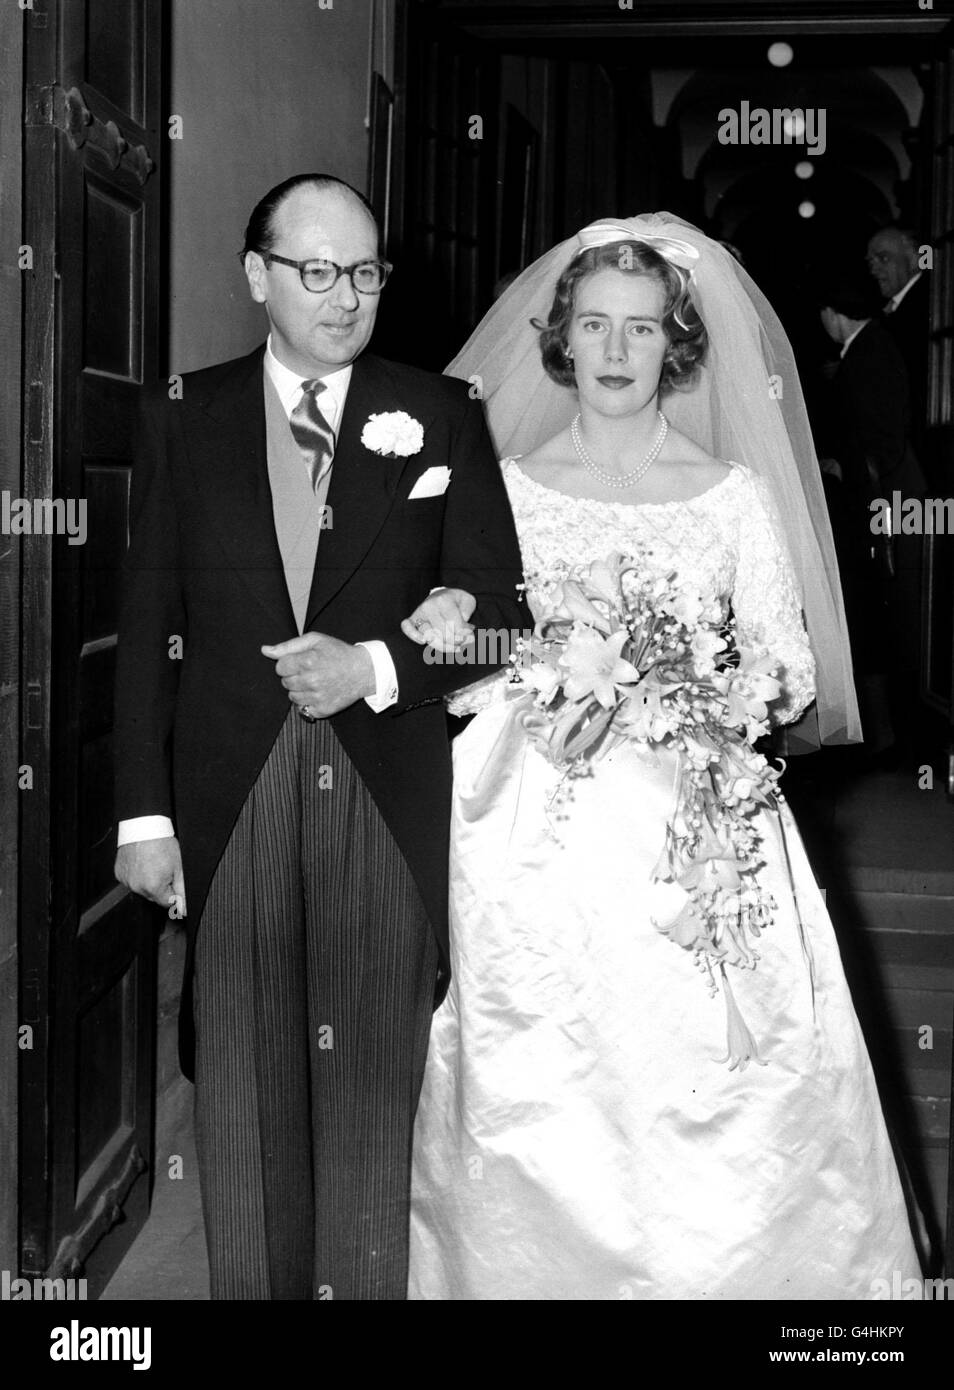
893	951
932	882
906	931
932	979
909	1008
932	1119
929	1082
920	914
914	1045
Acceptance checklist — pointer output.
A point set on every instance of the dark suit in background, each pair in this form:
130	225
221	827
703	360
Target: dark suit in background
868	431
908	328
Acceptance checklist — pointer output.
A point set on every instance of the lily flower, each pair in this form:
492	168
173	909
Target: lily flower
708	874
571	602
595	666
686	928
741	1045
543	677
605	576
706	645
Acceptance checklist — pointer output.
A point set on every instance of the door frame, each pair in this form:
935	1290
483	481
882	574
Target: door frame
11	797
533	20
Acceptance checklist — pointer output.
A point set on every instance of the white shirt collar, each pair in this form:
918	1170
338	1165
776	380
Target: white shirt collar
288	385
848	341
896	299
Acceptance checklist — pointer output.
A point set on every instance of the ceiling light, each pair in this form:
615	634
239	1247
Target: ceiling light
780	54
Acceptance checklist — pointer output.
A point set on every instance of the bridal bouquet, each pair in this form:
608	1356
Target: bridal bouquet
623	653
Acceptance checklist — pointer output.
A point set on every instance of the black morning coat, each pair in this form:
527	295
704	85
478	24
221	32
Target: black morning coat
204	565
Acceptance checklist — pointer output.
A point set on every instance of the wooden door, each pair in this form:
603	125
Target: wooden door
444	236
91	335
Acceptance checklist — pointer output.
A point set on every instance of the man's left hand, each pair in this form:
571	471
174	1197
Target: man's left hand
322	672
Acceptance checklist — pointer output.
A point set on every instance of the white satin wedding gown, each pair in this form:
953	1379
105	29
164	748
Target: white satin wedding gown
579	1134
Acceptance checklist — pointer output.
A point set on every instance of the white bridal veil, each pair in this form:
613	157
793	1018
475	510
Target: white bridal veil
746	405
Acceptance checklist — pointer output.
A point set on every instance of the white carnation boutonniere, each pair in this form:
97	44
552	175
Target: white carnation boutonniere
395	434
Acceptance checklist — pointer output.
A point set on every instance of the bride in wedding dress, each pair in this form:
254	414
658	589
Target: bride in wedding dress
596	1123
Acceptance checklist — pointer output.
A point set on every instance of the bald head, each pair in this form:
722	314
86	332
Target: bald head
261	232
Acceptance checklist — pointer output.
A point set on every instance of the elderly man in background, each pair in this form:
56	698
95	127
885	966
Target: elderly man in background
893	263
867	430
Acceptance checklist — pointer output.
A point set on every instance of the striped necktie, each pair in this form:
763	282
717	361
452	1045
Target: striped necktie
313	435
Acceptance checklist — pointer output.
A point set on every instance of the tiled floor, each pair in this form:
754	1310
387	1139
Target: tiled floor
885	828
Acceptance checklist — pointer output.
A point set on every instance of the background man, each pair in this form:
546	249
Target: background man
868	431
893	263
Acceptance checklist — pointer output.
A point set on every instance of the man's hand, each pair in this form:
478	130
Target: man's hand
153	869
442	620
322	672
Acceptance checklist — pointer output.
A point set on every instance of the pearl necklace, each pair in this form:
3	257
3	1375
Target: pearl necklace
620	479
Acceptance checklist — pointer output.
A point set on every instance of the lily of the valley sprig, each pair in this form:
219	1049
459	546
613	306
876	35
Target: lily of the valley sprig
623	653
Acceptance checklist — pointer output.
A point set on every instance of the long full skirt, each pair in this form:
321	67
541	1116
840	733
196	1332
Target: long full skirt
580	1135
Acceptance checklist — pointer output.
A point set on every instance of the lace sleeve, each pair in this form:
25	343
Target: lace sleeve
490	690
767	603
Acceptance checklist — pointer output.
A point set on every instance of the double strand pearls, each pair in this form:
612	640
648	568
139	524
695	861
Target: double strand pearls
617	479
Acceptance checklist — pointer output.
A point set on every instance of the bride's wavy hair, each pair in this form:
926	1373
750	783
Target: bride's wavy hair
684	330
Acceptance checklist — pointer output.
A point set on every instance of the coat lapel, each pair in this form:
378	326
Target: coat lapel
226	437
363	485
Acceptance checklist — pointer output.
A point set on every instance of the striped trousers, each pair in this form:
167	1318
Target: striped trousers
314	983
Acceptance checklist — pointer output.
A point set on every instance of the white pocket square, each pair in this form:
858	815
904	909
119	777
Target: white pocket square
432	483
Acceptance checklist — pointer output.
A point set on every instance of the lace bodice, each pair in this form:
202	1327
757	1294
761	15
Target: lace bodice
726	540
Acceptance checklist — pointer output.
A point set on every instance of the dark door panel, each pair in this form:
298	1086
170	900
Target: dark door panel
92	336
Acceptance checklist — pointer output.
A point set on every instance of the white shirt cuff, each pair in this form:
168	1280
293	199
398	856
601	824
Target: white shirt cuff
144	828
385	676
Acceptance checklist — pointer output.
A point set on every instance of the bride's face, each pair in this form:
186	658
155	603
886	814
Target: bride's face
617	340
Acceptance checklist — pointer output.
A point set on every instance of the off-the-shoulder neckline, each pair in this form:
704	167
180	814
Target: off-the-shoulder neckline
734	471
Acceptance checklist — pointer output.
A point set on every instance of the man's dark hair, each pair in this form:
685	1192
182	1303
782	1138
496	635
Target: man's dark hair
855	296
260	232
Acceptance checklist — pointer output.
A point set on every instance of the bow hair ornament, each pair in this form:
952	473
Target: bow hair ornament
680	253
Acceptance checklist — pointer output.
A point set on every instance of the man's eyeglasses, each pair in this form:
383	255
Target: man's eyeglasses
367	277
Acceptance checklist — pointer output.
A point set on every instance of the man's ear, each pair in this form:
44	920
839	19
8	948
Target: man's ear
255	274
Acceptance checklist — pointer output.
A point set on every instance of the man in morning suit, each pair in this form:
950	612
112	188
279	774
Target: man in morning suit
893	263
298	751
868	431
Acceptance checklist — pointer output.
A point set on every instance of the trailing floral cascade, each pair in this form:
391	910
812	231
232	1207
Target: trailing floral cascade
624	653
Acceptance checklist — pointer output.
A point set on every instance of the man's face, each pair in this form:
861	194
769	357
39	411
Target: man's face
315	334
892	261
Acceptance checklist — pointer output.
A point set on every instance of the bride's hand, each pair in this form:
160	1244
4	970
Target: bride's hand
441	621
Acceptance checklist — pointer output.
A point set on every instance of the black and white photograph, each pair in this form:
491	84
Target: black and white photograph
477	669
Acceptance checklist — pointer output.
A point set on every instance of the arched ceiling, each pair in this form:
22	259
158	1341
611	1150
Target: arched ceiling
867	112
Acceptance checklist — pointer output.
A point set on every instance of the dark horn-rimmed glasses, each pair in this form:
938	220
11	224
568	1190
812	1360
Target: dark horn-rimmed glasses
318	276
